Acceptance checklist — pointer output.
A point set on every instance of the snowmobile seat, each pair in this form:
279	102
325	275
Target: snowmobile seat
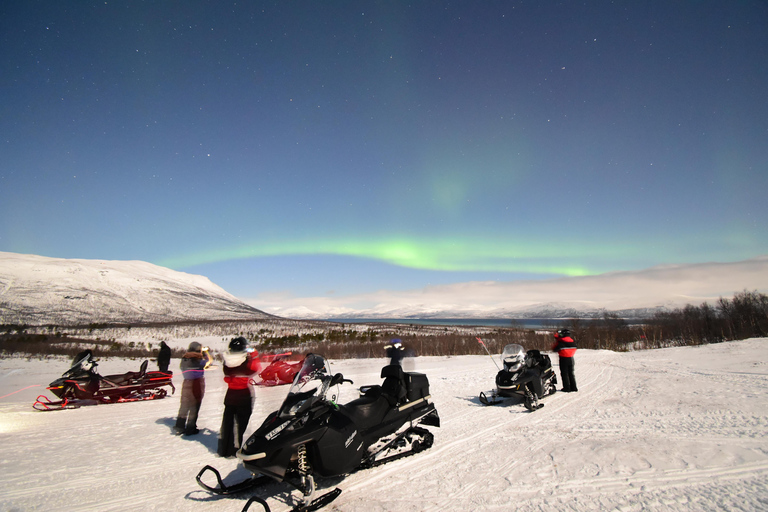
417	386
125	378
368	410
536	358
394	386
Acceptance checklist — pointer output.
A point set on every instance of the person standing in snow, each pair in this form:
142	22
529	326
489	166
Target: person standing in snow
566	349
164	357
395	351
192	367
240	364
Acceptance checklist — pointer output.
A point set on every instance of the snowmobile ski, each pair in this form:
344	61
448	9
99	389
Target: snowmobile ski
255	499
319	502
494	399
223	489
43	403
315	504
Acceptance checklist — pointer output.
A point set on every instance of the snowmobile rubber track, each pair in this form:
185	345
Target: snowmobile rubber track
44	404
223	489
426	434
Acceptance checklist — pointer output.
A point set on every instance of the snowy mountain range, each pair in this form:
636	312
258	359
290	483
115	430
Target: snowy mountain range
630	294
424	312
37	290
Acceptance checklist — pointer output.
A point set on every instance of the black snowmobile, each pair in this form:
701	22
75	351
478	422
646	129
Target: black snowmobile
528	375
82	385
313	436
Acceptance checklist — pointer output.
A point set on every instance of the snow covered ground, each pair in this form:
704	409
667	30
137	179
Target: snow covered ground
672	429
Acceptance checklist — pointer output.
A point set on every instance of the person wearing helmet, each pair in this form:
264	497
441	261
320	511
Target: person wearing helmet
192	367
240	364
395	351
566	349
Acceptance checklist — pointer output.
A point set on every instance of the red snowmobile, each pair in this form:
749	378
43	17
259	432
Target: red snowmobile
280	371
82	385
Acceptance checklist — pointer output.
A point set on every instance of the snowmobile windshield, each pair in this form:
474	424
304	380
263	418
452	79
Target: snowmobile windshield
315	373
513	356
84	364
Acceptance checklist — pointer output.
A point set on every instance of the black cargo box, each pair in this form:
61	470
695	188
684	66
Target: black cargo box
417	385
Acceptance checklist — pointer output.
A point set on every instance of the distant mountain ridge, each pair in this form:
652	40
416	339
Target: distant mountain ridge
633	294
540	311
37	290
549	310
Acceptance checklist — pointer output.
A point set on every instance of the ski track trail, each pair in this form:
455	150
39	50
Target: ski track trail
665	430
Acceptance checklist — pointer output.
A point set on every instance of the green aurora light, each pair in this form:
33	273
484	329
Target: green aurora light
425	254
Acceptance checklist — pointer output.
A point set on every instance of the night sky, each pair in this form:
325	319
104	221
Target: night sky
325	148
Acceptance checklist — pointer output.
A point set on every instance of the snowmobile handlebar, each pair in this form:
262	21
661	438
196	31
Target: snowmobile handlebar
339	379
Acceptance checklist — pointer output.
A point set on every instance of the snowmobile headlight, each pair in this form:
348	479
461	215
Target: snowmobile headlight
295	408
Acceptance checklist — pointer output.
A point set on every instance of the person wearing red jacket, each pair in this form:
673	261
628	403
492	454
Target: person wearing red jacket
566	349
240	364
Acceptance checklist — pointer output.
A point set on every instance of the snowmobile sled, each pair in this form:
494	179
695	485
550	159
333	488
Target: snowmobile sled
82	385
528	375
280	371
310	435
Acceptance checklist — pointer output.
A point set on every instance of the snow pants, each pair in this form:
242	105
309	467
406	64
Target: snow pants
567	364
238	406
192	392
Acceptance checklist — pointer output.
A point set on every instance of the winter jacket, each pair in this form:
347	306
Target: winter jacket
239	367
164	357
565	347
192	365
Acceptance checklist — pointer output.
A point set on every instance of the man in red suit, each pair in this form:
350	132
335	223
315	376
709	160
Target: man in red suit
566	349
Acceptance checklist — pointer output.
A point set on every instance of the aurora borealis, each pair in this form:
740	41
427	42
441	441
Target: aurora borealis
323	148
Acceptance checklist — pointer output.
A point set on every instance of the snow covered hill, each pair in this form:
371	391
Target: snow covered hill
36	290
630	294
676	429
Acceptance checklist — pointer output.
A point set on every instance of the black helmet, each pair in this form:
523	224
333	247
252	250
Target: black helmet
238	344
563	333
